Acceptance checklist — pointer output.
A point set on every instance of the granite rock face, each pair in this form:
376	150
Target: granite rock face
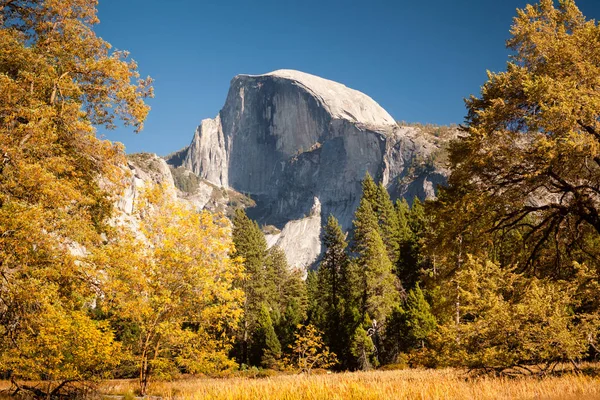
300	239
287	137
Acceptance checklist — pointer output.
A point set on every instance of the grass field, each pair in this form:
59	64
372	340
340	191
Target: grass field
403	384
380	385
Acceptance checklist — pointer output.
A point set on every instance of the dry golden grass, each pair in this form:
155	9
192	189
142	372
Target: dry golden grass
404	384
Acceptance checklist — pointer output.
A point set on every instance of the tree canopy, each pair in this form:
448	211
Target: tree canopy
57	181
529	158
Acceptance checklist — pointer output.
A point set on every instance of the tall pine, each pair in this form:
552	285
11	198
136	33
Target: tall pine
331	268
376	288
378	291
412	225
251	246
389	225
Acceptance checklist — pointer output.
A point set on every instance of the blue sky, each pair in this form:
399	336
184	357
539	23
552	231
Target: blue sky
418	59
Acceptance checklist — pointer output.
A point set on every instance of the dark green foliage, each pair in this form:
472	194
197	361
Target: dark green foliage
377	289
410	325
270	287
419	319
315	312
334	261
289	299
362	347
369	288
330	287
266	349
250	244
412	224
388	223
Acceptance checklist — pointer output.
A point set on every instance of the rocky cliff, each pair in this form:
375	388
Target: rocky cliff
287	138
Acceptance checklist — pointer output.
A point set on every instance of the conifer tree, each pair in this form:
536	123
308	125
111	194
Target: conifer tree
378	290
409	326
266	349
251	246
287	298
315	311
416	218
389	225
277	279
369	188
362	348
335	261
412	225
402	211
420	322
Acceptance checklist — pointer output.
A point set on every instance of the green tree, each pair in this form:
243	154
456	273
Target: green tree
251	246
371	289
362	348
369	188
410	326
420	322
266	349
330	298
378	286
315	312
289	300
407	265
388	223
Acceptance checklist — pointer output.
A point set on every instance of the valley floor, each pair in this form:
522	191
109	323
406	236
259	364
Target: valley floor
407	384
402	384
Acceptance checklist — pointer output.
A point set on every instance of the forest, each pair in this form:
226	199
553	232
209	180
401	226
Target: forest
499	275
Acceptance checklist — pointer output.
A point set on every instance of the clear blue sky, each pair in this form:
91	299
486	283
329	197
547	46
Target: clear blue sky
418	59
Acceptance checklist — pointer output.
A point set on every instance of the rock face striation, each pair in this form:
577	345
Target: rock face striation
290	140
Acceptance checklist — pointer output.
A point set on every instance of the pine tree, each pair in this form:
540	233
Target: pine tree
389	225
420	321
287	297
369	189
251	246
412	225
362	348
315	314
265	347
417	219
409	326
335	261
378	290
403	211
276	279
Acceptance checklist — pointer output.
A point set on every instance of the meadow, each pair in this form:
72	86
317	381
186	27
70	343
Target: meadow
399	384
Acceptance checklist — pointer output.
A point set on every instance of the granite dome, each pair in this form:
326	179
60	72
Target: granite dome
339	100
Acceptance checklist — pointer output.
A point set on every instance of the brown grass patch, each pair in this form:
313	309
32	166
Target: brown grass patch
380	385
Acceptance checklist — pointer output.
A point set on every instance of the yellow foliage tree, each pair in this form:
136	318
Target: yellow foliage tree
309	351
175	287
57	80
530	157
